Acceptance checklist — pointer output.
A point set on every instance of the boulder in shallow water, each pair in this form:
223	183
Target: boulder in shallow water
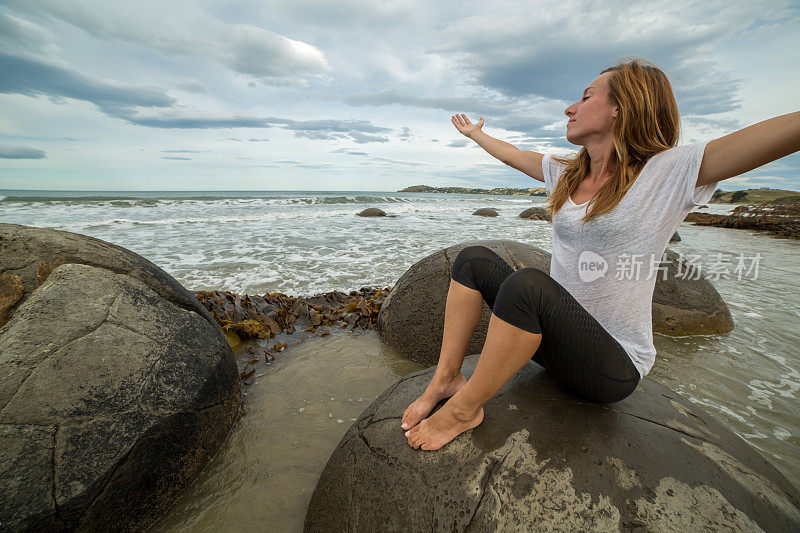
485	212
675	237
115	392
536	213
411	319
543	460
372	212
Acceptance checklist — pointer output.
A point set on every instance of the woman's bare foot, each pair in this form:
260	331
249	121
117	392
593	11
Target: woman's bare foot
438	389
443	426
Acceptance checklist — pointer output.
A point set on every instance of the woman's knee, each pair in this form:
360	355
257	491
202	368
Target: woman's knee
465	256
526	283
478	267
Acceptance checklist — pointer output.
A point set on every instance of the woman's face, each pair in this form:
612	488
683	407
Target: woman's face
591	117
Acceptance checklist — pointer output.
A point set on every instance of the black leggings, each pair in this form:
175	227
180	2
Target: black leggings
575	348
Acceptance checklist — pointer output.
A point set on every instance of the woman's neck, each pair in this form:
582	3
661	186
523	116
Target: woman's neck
602	164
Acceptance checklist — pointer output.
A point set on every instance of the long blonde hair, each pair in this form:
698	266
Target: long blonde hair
647	123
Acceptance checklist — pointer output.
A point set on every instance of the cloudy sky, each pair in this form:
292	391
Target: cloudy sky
358	94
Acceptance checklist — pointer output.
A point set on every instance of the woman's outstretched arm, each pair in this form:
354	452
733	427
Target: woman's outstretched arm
749	148
525	161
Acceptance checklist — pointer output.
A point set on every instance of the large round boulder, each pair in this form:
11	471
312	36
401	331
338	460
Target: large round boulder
115	391
28	254
542	460
486	212
411	319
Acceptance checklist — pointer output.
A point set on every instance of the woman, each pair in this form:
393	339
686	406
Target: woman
620	198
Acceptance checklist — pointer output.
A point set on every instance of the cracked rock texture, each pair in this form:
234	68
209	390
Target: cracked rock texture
411	319
113	395
28	254
543	460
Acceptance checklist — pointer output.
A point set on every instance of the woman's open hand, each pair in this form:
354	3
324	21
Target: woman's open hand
466	127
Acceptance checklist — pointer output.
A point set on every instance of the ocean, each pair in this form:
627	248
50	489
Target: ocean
308	242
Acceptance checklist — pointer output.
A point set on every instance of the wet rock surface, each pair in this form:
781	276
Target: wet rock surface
536	213
779	218
28	254
115	390
371	212
687	305
544	460
411	319
485	212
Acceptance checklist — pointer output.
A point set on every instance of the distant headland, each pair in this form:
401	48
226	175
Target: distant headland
750	196
746	196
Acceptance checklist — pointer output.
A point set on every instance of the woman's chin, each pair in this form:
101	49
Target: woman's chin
573	140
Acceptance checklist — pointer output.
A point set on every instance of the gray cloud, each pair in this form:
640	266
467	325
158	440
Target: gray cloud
173	120
362	138
362	126
323	129
453	104
562	63
183	151
320	135
711	125
32	77
347	151
266	55
352	13
175	157
262	54
21	36
401	162
20	152
518	114
304	164
458	143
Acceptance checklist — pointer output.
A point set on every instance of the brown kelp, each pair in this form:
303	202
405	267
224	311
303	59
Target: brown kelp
266	316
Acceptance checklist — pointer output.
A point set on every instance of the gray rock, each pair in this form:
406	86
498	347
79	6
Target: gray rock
411	319
536	213
485	212
688	306
372	212
675	237
113	396
542	460
28	254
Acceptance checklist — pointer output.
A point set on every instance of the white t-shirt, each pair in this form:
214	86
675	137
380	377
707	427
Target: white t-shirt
610	267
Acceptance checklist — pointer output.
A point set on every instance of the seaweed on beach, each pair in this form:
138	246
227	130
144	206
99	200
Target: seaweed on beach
265	316
779	217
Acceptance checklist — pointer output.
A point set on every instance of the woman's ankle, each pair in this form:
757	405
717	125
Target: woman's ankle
463	411
445	376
